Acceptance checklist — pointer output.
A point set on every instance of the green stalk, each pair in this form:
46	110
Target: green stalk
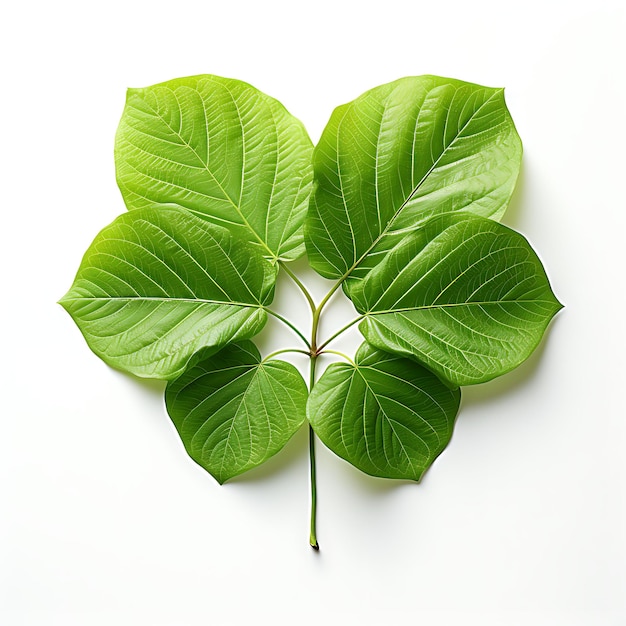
299	284
314	355
285	321
315	352
313	536
341	331
341	354
283	351
327	297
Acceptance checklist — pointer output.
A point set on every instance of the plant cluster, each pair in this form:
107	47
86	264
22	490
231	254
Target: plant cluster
398	204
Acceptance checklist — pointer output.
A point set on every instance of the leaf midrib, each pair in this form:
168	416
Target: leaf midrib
206	165
454	305
390	421
387	227
255	370
161	299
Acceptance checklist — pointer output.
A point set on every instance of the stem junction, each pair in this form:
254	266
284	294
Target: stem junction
313	352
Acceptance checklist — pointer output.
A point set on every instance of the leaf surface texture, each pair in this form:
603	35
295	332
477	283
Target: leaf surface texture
386	415
464	295
234	411
223	150
402	153
158	284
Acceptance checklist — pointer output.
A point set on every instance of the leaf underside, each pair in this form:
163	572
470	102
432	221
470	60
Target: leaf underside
400	154
223	150
386	415
159	284
233	411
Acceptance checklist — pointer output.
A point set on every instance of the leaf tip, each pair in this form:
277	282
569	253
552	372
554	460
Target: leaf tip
558	306
63	301
133	91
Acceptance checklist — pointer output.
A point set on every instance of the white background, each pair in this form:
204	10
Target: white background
104	518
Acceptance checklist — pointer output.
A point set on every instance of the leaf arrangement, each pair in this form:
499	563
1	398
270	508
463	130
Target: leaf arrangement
398	204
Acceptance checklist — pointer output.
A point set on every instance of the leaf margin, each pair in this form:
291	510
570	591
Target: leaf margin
256	365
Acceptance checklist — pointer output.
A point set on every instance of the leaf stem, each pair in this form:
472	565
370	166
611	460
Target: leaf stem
277	352
313	535
315	351
341	354
340	331
317	313
285	321
300	285
327	297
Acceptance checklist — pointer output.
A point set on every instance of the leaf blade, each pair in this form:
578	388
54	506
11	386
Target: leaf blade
400	154
233	411
386	415
464	295
223	150
157	285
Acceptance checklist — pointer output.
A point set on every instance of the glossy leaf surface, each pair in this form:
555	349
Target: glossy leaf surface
402	153
234	411
223	150
387	415
464	295
159	284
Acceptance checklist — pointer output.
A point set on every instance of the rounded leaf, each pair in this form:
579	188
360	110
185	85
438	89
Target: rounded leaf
234	411
400	154
157	285
464	295
386	415
223	150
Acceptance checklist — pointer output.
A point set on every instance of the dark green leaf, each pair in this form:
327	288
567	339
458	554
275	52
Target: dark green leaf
466	296
234	411
387	415
223	150
159	284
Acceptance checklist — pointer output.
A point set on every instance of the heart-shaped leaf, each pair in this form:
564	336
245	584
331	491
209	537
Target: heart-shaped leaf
385	414
400	154
464	295
223	150
234	411
157	285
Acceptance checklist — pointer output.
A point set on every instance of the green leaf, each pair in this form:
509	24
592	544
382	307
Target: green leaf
223	150
400	154
234	411
385	414
157	285
466	296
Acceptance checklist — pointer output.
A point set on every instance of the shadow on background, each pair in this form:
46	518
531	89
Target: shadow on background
520	376
518	200
150	386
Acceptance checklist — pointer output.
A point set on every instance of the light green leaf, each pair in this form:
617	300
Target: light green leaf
234	411
464	295
223	150
157	285
400	154
385	414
